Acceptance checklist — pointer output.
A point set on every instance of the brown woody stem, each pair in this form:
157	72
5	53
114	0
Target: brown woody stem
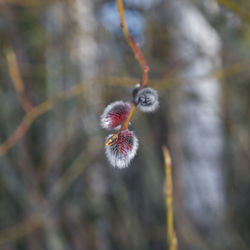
168	188
143	64
138	54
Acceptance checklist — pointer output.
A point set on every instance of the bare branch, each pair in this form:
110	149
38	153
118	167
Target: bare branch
17	79
168	189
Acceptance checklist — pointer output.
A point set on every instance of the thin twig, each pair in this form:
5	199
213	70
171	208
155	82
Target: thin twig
168	189
34	113
17	79
141	59
68	178
21	229
134	46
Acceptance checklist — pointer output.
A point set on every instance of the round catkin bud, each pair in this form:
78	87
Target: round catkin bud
146	99
123	150
114	114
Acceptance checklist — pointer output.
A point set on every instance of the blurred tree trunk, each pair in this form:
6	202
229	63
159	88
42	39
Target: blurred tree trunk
198	120
84	54
55	83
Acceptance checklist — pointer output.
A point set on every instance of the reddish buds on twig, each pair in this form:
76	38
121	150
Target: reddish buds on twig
121	147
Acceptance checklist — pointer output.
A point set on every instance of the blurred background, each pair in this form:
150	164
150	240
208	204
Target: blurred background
62	63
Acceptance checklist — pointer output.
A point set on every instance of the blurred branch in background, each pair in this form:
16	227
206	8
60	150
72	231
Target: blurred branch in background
74	171
17	79
48	203
236	8
27	3
36	112
21	229
168	190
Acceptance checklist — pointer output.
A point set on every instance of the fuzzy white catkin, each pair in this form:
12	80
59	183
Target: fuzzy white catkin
116	158
146	99
107	118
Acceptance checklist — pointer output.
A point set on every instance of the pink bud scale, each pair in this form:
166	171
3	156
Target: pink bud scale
115	114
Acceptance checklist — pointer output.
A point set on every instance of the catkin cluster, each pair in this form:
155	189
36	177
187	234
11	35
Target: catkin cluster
121	147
